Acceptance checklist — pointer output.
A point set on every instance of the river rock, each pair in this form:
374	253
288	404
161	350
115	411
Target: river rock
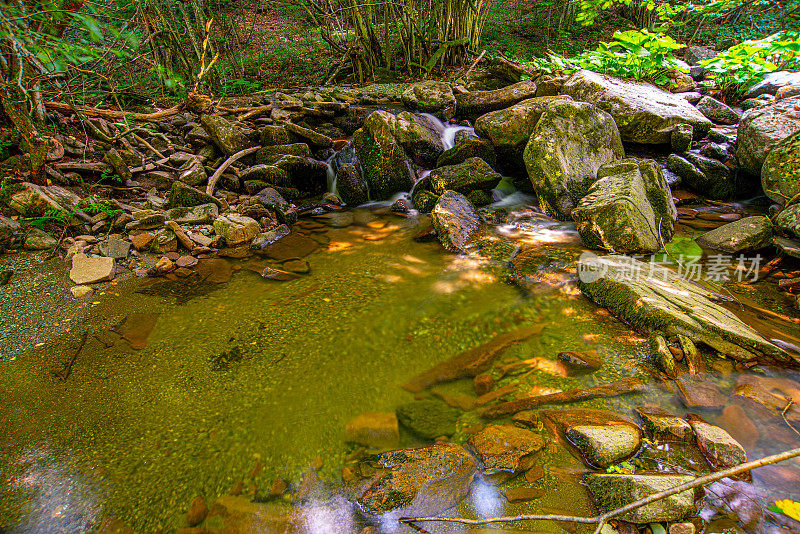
116	248
467	147
10	231
509	129
414	482
431	96
695	54
455	220
681	138
236	229
267	173
428	418
273	134
771	82
787	91
716	111
744	235
418	136
719	448
374	429
309	136
306	174
710	177
265	239
200	214
664	426
182	195
37	239
473	174
476	103
762	129
505	449
351	186
31	200
571	141
780	175
225	135
628	209
605	445
643	112
655	299
788	220
386	167
612	491
284	211
269	154
192	172
91	270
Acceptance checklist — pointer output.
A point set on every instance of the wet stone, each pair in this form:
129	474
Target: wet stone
428	418
522	494
197	512
605	445
586	361
664	426
374	429
91	270
699	392
505	448
719	448
525	419
612	491
186	261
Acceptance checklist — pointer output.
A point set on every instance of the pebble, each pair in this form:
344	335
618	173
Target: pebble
81	291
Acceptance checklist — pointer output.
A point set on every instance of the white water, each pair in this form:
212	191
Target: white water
447	131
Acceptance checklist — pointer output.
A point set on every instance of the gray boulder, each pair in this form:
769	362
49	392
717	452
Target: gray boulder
431	96
628	209
570	142
386	167
780	174
655	299
761	129
744	235
771	82
225	135
615	491
717	111
644	113
455	220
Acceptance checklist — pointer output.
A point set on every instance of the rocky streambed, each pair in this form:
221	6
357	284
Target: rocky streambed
323	312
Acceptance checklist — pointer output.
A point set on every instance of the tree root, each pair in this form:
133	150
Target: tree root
601	520
212	182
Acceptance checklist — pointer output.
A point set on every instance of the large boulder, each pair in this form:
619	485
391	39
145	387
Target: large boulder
788	220
643	112
466	147
762	129
475	103
509	129
570	142
771	82
431	96
423	481
455	220
31	200
182	195
780	174
418	136
386	167
350	185
236	229
227	136
464	177
612	491
628	209
745	235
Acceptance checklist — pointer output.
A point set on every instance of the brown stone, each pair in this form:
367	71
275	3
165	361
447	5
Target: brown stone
483	384
186	261
142	241
237	488
534	473
526	419
696	391
505	448
164	265
278	488
112	525
197	512
523	494
735	421
374	429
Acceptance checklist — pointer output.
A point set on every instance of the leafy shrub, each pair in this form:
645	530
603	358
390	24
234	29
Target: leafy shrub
638	55
744	64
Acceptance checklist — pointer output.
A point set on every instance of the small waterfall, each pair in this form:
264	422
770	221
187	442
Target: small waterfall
447	131
331	176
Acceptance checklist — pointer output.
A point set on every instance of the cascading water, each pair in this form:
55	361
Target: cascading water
447	131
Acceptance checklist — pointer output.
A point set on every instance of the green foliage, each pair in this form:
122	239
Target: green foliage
638	55
624	468
90	205
58	217
742	65
240	86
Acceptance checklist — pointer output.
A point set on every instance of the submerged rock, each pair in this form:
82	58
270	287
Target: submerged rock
780	174
644	113
655	299
762	129
423	481
455	220
428	418
612	491
628	209
570	142
744	235
386	167
374	429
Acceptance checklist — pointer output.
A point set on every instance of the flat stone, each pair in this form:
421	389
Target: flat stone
523	494
116	248
505	448
664	426
719	448
91	270
142	241
377	430
745	235
428	418
605	445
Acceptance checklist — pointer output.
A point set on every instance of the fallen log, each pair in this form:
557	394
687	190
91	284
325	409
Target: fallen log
113	114
620	387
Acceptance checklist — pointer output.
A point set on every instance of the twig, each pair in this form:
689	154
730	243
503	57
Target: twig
785	420
601	520
474	63
212	182
67	370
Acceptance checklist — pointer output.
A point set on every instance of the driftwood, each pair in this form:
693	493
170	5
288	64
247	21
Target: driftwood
212	182
601	520
620	387
113	114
